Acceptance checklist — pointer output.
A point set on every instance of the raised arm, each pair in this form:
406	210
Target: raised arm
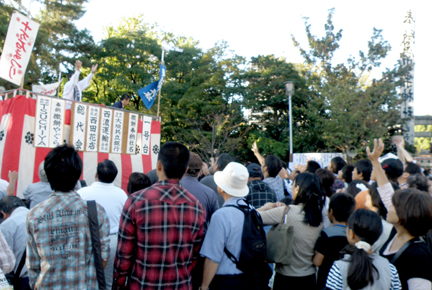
13	177
85	83
403	155
261	159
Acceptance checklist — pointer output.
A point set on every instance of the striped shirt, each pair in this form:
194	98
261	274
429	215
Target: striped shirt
59	248
277	185
7	258
335	280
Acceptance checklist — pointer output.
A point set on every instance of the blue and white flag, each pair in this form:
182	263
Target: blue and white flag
148	94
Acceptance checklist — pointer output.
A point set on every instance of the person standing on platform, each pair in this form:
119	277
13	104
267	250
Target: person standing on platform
124	101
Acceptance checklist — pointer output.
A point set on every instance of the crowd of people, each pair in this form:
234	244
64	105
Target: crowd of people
184	225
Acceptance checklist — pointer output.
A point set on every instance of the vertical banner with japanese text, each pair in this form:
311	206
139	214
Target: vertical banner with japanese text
43	124
407	90
78	128
17	48
132	134
57	121
145	150
92	129
117	132
105	131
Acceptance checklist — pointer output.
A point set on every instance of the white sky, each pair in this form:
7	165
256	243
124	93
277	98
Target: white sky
264	27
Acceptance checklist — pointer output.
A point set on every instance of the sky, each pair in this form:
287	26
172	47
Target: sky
261	27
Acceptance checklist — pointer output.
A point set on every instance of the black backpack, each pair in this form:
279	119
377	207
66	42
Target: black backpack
254	243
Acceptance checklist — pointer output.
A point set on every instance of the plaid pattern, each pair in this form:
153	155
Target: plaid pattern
260	193
161	230
59	249
7	258
277	185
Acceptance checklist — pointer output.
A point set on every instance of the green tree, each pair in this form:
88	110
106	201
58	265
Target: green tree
353	110
422	143
58	40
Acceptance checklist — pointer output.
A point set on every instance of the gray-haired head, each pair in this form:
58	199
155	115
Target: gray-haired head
9	203
42	175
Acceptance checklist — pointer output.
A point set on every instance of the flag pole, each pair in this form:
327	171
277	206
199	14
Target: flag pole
159	93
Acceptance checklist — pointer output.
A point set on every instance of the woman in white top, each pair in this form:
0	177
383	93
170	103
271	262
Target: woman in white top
306	218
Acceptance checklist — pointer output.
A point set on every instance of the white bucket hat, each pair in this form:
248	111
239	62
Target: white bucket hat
233	179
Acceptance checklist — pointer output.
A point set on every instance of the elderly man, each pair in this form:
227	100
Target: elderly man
59	246
37	192
112	199
14	230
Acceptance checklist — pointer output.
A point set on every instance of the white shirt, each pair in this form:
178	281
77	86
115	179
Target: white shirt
110	197
3	185
68	91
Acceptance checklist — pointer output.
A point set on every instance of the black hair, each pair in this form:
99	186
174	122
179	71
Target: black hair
125	96
83	183
137	181
343	206
223	160
63	167
106	171
312	196
393	168
353	190
9	203
412	168
175	159
367	226
327	179
418	181
347	173
364	167
377	201
273	164
414	210
337	163
312	166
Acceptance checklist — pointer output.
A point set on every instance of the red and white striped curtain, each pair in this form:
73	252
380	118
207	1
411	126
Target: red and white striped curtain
17	152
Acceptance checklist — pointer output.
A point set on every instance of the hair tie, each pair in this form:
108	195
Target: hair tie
363	246
361	186
385	166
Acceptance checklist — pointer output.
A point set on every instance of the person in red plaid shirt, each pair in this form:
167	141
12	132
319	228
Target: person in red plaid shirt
161	230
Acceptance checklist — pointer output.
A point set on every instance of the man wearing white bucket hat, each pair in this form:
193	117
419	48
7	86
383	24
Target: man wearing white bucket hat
225	230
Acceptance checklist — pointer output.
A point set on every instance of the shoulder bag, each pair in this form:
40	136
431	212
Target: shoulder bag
280	240
96	245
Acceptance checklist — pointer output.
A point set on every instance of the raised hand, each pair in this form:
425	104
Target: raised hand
94	68
377	151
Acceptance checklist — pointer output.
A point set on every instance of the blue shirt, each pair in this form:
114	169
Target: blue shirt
276	184
225	230
118	105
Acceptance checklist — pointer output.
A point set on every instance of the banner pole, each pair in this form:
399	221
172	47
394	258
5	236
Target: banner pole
159	93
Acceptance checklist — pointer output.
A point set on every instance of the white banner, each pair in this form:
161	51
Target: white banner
18	47
57	121
117	132
105	132
92	129
146	135
48	90
43	124
78	128
132	133
322	158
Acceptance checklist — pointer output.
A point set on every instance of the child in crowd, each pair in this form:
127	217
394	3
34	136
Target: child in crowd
333	239
361	268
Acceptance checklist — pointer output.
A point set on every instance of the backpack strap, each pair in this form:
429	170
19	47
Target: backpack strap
401	250
20	266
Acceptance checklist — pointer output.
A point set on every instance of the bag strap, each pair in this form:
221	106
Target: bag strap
401	250
96	244
284	214
20	266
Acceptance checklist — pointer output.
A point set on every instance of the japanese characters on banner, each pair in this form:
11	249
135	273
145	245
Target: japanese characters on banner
78	127
57	121
146	135
49	90
105	132
92	129
117	132
43	124
132	133
18	47
322	158
407	90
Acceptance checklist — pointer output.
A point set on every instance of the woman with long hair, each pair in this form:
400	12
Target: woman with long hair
305	216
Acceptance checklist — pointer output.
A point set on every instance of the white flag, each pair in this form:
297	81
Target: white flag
18	47
170	46
48	90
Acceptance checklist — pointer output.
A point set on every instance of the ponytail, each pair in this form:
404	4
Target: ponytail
367	226
361	269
